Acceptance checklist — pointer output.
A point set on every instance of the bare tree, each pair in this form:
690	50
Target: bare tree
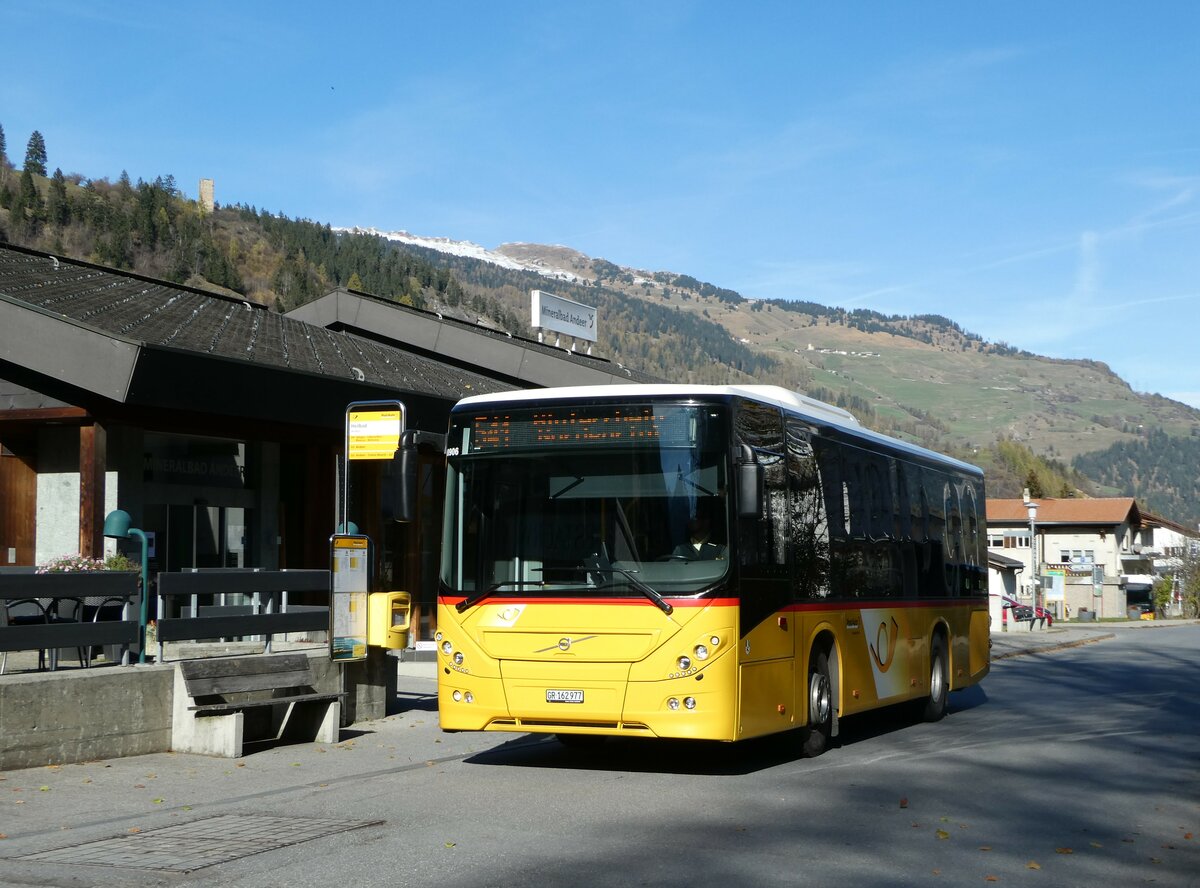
1187	578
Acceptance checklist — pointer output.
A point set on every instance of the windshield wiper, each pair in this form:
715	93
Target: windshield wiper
579	479
630	575
471	600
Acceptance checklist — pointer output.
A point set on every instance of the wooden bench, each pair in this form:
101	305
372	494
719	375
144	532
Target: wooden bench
221	703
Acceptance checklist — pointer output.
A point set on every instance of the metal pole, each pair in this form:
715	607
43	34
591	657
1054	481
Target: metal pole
142	616
1035	580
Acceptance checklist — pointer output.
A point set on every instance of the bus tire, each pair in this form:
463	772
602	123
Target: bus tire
934	706
816	735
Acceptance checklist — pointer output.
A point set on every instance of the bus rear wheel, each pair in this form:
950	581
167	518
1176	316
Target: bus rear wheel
933	708
819	730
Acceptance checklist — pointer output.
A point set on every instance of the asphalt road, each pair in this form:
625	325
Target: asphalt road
1069	766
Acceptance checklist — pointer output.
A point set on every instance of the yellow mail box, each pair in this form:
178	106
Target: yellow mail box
387	619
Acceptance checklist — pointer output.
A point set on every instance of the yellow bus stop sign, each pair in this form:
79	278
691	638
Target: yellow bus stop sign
373	433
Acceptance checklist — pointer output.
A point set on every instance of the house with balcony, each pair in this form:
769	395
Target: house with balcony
1081	557
1166	542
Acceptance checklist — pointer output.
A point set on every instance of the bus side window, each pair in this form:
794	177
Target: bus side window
762	541
974	582
807	526
953	539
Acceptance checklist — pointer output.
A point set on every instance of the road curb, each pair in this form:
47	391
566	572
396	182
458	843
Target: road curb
1078	642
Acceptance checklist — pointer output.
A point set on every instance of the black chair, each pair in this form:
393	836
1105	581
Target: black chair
67	610
23	612
102	609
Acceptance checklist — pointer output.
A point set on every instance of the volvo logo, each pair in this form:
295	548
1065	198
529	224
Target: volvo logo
564	643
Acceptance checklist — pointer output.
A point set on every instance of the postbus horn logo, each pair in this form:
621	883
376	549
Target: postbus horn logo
885	639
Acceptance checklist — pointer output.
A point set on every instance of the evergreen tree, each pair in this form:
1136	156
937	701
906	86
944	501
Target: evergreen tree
3	147
58	208
35	154
355	282
29	208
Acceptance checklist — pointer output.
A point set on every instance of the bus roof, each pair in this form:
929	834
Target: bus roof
778	396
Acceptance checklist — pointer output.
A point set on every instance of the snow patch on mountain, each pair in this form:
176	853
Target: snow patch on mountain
468	250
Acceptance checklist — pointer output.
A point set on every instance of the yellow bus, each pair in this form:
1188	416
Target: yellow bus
709	562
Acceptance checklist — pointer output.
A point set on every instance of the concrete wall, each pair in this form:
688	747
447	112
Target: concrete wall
57	492
84	715
79	715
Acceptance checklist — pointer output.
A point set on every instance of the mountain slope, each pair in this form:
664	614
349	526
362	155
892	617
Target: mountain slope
922	378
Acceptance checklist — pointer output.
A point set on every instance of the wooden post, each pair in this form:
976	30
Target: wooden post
93	457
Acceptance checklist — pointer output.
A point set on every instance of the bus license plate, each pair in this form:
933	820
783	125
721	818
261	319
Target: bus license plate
557	696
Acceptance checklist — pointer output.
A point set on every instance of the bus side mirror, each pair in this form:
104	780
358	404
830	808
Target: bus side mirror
402	504
400	486
750	485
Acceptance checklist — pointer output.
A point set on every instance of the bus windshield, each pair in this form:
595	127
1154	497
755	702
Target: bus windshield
579	502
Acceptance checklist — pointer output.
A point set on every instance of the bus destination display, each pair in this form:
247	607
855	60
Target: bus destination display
580	427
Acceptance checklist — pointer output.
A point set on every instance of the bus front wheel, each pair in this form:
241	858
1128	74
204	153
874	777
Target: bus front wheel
820	707
934	706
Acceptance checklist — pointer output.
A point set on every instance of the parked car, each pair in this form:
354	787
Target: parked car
1021	612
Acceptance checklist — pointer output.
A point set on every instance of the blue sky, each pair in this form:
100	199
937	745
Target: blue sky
1030	170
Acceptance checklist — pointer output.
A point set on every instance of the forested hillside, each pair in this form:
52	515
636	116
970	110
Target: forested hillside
1029	421
1163	466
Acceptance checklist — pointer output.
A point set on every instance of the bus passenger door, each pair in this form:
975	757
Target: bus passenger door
766	678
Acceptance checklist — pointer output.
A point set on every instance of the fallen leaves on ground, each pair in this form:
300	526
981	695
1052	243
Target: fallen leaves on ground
942	834
1064	850
1033	865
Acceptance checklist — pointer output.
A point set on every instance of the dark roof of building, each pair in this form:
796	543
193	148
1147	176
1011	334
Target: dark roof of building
142	310
93	336
524	362
1000	562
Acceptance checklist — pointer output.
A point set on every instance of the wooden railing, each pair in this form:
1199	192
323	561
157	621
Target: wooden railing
218	604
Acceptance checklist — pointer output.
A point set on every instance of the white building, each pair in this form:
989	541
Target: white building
1165	542
1088	556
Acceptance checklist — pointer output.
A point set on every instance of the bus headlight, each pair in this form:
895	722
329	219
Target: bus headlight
689	702
701	652
447	647
673	704
458	658
685	663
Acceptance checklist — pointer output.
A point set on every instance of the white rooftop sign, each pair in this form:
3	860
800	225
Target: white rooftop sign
563	316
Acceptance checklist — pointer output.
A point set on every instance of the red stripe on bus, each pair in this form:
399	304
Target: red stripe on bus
878	604
593	601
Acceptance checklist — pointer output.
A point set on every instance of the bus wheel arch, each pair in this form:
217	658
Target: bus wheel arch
822	697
